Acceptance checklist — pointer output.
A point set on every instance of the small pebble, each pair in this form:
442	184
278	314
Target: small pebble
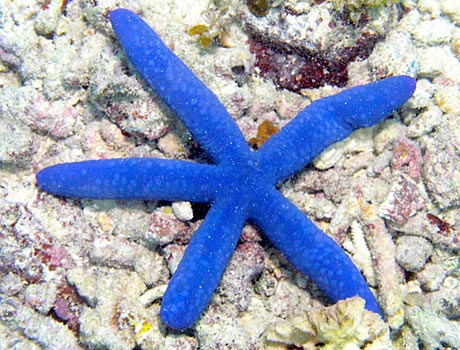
183	210
412	252
431	277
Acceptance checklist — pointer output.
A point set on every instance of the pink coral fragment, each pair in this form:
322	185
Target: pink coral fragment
407	157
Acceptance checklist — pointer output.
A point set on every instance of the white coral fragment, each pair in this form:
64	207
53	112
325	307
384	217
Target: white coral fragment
343	326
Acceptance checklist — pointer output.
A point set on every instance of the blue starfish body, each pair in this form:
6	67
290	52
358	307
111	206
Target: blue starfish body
241	185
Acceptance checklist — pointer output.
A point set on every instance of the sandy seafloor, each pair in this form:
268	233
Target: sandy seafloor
82	274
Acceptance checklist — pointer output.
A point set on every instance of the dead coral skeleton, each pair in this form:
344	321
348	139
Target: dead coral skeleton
342	326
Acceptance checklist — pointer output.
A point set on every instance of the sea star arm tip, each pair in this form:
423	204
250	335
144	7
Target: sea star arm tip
193	102
310	250
131	178
204	261
329	120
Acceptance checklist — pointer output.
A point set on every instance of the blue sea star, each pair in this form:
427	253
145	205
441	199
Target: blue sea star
241	185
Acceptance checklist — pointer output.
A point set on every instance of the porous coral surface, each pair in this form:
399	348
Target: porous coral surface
92	274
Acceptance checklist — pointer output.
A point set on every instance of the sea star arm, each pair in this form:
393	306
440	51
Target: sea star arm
131	178
200	270
330	120
197	106
310	250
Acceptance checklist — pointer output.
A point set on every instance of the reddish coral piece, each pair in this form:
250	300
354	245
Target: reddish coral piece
307	70
67	307
403	201
165	228
294	72
407	157
445	234
443	227
28	249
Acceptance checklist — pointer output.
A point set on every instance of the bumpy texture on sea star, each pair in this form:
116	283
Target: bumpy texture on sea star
240	185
